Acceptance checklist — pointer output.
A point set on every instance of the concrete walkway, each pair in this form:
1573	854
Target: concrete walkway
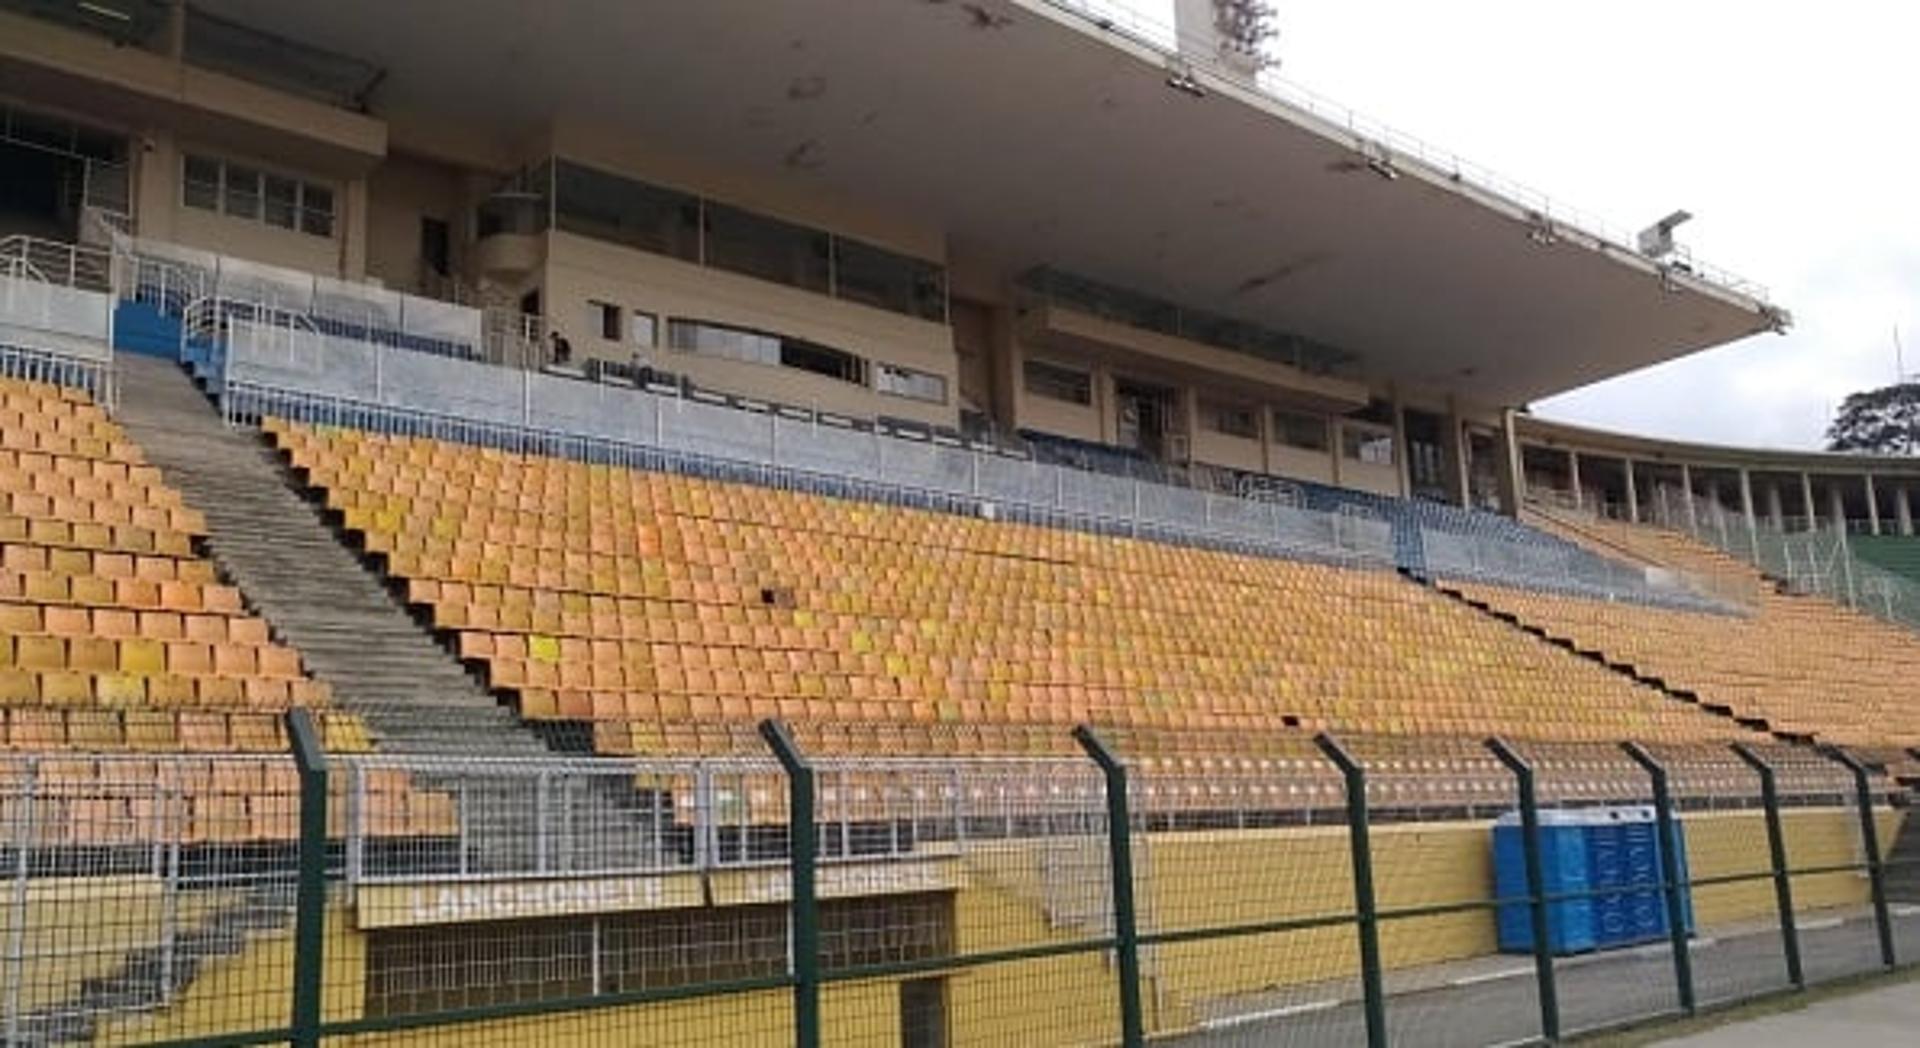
1888	1017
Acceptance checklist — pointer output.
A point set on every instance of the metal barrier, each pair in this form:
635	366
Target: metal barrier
1197	890
1564	568
897	472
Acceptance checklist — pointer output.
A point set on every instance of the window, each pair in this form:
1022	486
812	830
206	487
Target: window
201	187
282	202
646	329
242	196
316	210
1366	444
823	360
604	317
1235	420
682	225
758	347
1058	383
877	277
757	246
608	207
244	192
906	382
1300	429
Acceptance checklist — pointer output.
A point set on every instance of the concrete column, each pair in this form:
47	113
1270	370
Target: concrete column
1336	445
1746	500
1513	478
1776	506
1902	510
177	32
1686	501
1837	507
1873	506
1453	446
1633	493
1806	501
1402	455
1573	474
1190	418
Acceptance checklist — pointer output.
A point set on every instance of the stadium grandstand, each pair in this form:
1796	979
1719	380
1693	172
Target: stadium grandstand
923	524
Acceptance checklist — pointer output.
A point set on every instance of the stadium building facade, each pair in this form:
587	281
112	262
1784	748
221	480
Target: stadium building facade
543	409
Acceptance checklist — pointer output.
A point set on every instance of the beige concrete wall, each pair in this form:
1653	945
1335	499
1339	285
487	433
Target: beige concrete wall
580	269
1301	464
162	214
208	104
400	193
1221	449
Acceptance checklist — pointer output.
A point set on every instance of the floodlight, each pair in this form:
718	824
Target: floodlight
1656	241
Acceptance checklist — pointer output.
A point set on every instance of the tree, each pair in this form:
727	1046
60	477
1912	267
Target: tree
1884	421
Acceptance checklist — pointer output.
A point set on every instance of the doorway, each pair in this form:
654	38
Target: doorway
41	192
1143	416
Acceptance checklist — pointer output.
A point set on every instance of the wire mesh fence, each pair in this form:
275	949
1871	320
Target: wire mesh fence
1195	889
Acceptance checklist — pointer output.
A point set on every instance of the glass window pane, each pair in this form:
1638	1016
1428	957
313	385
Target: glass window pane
1300	429
906	382
607	207
316	210
646	329
1368	445
719	341
1058	383
767	248
201	184
242	199
282	201
877	277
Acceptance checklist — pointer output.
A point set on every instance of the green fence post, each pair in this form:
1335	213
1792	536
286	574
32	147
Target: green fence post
1536	885
1671	886
1126	931
1366	909
310	900
803	844
1777	855
1870	838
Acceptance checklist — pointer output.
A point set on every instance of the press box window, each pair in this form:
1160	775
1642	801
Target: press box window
1365	444
238	191
1058	383
906	382
758	347
1234	420
1299	429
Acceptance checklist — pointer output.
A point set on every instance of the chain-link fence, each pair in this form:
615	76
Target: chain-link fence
1196	889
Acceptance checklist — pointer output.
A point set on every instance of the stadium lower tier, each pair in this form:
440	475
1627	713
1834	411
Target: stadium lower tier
640	600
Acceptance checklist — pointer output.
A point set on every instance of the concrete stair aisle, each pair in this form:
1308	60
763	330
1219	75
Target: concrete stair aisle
151	977
312	589
315	593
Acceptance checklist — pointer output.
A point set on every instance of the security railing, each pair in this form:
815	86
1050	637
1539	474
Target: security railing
1198	890
56	319
1809	559
1497	559
775	451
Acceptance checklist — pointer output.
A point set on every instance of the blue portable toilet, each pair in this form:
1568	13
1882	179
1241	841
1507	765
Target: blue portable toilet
1588	850
1564	869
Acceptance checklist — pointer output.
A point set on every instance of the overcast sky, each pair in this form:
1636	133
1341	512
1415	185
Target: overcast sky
1787	128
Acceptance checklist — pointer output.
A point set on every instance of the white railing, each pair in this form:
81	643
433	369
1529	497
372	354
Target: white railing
1565	568
57	263
1393	145
56	316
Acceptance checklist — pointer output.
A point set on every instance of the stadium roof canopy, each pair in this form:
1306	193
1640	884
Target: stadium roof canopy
1034	135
